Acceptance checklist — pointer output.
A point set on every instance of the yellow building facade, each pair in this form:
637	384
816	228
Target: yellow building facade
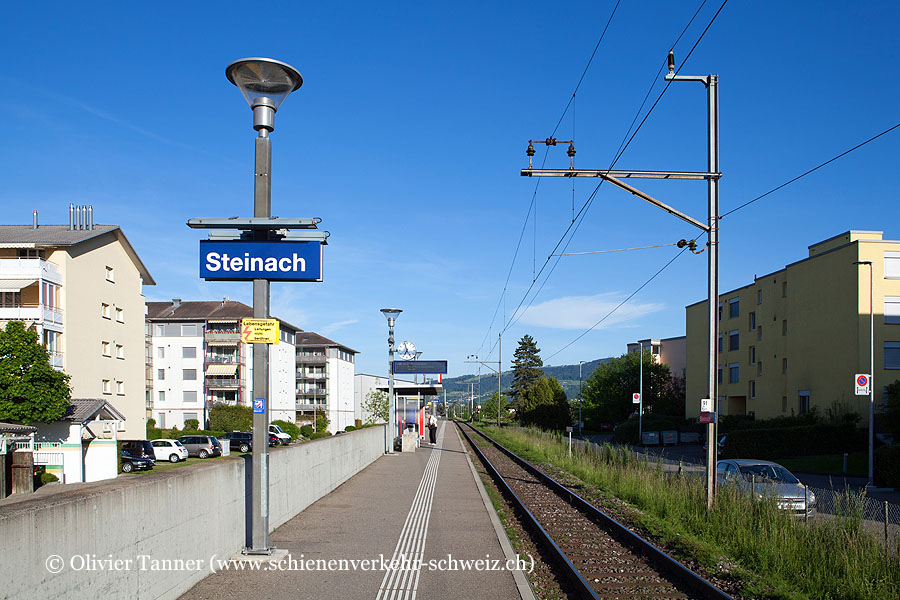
793	340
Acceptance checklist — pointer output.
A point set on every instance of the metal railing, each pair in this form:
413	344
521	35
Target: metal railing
223	382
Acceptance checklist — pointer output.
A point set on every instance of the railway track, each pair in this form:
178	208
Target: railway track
599	556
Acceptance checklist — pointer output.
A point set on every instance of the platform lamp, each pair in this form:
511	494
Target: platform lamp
391	314
264	83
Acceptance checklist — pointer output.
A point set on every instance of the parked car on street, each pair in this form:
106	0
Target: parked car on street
135	463
201	446
239	440
283	438
139	449
765	479
170	450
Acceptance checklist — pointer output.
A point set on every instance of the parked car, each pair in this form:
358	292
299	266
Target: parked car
170	450
139	449
202	446
768	479
239	440
719	447
135	463
283	438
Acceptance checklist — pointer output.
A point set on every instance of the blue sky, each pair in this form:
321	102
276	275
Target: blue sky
408	135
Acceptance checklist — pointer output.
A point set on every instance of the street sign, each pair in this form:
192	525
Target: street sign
259	406
246	260
707	417
635	398
705	405
863	382
429	367
259	331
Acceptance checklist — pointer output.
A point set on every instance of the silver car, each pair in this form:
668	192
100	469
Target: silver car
768	479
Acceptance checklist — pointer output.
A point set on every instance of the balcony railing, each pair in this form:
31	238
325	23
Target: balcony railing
28	268
32	312
223	382
223	336
311	358
302	375
56	359
219	359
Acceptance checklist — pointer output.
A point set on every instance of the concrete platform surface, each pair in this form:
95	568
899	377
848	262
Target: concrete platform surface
408	526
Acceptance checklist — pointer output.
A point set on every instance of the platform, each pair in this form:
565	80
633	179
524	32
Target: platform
421	510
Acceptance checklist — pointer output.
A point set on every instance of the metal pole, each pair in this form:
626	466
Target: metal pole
262	203
712	109
499	373
389	427
580	401
641	393
871	375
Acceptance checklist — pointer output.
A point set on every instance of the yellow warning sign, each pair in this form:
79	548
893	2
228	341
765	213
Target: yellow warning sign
259	331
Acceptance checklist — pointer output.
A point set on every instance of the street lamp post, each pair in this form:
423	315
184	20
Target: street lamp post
264	83
391	315
871	368
580	400
641	393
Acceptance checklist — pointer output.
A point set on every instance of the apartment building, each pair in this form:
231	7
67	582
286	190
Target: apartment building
325	371
198	360
793	340
79	286
667	351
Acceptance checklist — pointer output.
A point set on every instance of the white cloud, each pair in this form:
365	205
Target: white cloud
582	312
328	329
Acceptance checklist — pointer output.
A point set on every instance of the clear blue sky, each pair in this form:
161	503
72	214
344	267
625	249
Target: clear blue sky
408	135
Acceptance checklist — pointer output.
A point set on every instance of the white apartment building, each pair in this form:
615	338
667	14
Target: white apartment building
325	371
668	351
79	286
198	360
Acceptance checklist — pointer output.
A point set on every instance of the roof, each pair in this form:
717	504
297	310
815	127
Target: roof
81	410
62	235
311	338
205	310
16	428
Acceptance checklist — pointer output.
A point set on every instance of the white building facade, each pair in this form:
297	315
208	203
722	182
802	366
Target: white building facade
325	371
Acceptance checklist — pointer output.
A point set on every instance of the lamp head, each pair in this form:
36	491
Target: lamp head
265	83
391	314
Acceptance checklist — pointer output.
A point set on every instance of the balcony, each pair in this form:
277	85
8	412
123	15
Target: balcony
220	359
56	360
223	383
221	338
301	375
310	406
32	312
30	268
311	359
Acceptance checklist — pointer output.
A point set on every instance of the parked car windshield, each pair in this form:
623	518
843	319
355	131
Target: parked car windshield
773	473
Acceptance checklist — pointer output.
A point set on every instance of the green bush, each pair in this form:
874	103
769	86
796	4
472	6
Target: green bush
306	431
225	417
887	466
319	434
191	424
288	427
350	428
807	440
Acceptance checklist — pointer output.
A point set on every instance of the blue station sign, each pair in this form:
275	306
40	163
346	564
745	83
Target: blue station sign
428	367
246	260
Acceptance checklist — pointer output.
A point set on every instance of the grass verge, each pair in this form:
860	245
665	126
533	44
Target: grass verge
777	555
829	464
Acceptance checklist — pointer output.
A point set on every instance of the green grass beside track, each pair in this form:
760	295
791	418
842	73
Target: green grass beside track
776	555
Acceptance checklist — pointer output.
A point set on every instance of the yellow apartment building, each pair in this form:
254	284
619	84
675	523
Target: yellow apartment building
80	287
794	339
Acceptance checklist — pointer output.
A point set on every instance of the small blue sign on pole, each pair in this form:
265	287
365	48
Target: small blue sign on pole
259	406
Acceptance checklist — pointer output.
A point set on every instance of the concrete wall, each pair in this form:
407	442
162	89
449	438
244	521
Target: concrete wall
189	513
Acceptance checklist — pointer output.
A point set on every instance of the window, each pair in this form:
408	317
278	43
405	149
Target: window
120	315
161	374
188	416
188	330
104	349
161	396
784	404
189	374
160	352
752	355
759	368
120	388
720	312
891	309
160	330
892	265
784	365
190	396
752	389
52	341
189	352
759	296
734	308
720	342
104	311
892	355
733	342
752	319
784	289
784	327
759	332
803	402
107	388
733	373
110	275
120	351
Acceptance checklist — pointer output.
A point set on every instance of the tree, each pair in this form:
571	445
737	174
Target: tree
607	392
376	406
545	405
526	368
30	389
489	408
227	417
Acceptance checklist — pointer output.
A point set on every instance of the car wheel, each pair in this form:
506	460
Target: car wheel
127	467
174	458
245	448
203	454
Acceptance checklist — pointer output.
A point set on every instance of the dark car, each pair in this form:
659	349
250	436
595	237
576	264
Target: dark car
202	446
139	449
239	440
135	463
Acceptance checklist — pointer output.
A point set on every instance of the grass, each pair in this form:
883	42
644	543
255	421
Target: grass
829	464
777	556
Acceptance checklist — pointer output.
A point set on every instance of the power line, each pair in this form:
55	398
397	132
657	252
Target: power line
618	250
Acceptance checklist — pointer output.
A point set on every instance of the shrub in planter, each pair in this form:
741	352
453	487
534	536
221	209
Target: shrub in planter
350	428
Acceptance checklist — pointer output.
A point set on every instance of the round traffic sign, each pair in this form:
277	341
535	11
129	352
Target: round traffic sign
862	381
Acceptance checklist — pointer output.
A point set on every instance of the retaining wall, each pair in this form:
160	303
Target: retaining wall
192	513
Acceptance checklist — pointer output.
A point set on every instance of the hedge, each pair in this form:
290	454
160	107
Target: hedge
887	466
808	440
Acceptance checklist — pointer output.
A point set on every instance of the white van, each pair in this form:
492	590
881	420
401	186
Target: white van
283	438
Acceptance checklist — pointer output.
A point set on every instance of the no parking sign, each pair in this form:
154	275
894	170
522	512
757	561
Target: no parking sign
863	383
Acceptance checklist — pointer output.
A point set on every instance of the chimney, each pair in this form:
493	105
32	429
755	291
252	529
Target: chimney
90	218
34	221
176	302
84	216
71	216
224	300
